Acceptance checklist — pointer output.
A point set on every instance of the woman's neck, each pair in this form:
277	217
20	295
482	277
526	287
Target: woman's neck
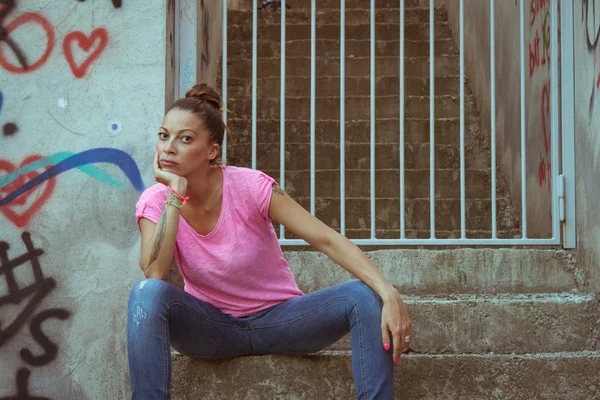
202	186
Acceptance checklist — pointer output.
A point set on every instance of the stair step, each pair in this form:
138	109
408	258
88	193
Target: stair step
463	270
296	32
521	324
444	65
416	212
419	234
357	107
324	16
570	376
361	4
416	130
357	155
331	48
358	183
300	86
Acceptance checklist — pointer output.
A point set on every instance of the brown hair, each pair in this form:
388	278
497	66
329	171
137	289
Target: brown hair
205	102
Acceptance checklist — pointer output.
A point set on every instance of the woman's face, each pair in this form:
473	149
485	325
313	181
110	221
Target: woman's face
183	143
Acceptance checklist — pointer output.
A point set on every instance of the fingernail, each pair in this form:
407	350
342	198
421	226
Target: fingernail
396	361
386	346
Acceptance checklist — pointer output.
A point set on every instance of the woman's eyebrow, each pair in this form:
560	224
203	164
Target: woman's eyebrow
183	130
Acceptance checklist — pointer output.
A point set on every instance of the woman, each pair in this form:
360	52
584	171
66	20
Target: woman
240	297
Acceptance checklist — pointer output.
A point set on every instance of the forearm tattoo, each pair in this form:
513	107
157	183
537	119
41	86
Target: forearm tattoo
162	228
278	190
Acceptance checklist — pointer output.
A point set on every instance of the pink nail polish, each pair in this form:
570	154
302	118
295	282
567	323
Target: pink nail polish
386	346
396	361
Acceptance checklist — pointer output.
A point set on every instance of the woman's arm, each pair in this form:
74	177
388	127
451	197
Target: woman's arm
284	210
158	240
158	243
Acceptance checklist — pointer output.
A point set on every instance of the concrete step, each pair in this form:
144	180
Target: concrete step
356	107
459	271
416	213
331	48
300	86
297	32
387	185
324	16
520	324
357	155
365	233
567	376
445	65
416	130
348	4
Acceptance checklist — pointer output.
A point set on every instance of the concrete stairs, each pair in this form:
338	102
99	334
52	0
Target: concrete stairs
357	124
489	324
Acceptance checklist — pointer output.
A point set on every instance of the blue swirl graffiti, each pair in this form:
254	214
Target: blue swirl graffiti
100	155
55	158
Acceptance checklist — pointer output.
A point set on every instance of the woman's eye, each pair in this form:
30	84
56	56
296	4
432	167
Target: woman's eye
162	135
187	139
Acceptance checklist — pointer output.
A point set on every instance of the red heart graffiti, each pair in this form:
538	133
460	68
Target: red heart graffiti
22	219
85	43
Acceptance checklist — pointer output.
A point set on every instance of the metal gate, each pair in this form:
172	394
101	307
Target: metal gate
189	15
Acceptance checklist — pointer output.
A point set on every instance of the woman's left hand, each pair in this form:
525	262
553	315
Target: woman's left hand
395	319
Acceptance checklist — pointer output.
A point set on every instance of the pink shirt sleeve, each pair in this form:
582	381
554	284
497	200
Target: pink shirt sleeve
263	188
148	206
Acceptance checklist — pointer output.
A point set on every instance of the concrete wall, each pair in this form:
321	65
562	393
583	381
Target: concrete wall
587	136
508	87
95	78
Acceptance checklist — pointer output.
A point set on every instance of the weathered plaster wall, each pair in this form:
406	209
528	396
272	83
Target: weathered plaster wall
587	136
508	87
82	81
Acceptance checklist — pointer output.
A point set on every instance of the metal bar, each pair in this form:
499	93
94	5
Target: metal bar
554	114
493	114
254	77
188	38
431	119
342	117
462	121
177	50
523	122
438	242
313	117
568	122
402	192
224	79
372	157
282	111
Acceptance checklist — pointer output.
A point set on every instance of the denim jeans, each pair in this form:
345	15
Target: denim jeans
161	315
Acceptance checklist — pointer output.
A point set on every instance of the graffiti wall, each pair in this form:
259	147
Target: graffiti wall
587	134
536	51
81	95
539	160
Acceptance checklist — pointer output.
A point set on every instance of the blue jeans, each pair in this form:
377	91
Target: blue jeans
161	315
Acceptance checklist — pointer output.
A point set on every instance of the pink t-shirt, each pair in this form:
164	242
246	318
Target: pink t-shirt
239	266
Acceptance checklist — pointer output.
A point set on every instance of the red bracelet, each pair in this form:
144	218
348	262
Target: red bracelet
184	199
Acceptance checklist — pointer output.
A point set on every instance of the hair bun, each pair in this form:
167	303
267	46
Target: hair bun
205	93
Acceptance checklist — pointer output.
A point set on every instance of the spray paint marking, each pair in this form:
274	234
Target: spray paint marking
22	218
85	43
107	155
90	170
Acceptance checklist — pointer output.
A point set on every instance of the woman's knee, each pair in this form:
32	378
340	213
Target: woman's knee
148	294
364	297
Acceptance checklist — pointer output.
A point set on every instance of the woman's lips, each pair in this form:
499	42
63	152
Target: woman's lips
168	163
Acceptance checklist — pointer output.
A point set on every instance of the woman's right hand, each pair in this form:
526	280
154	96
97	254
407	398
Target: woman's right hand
179	183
